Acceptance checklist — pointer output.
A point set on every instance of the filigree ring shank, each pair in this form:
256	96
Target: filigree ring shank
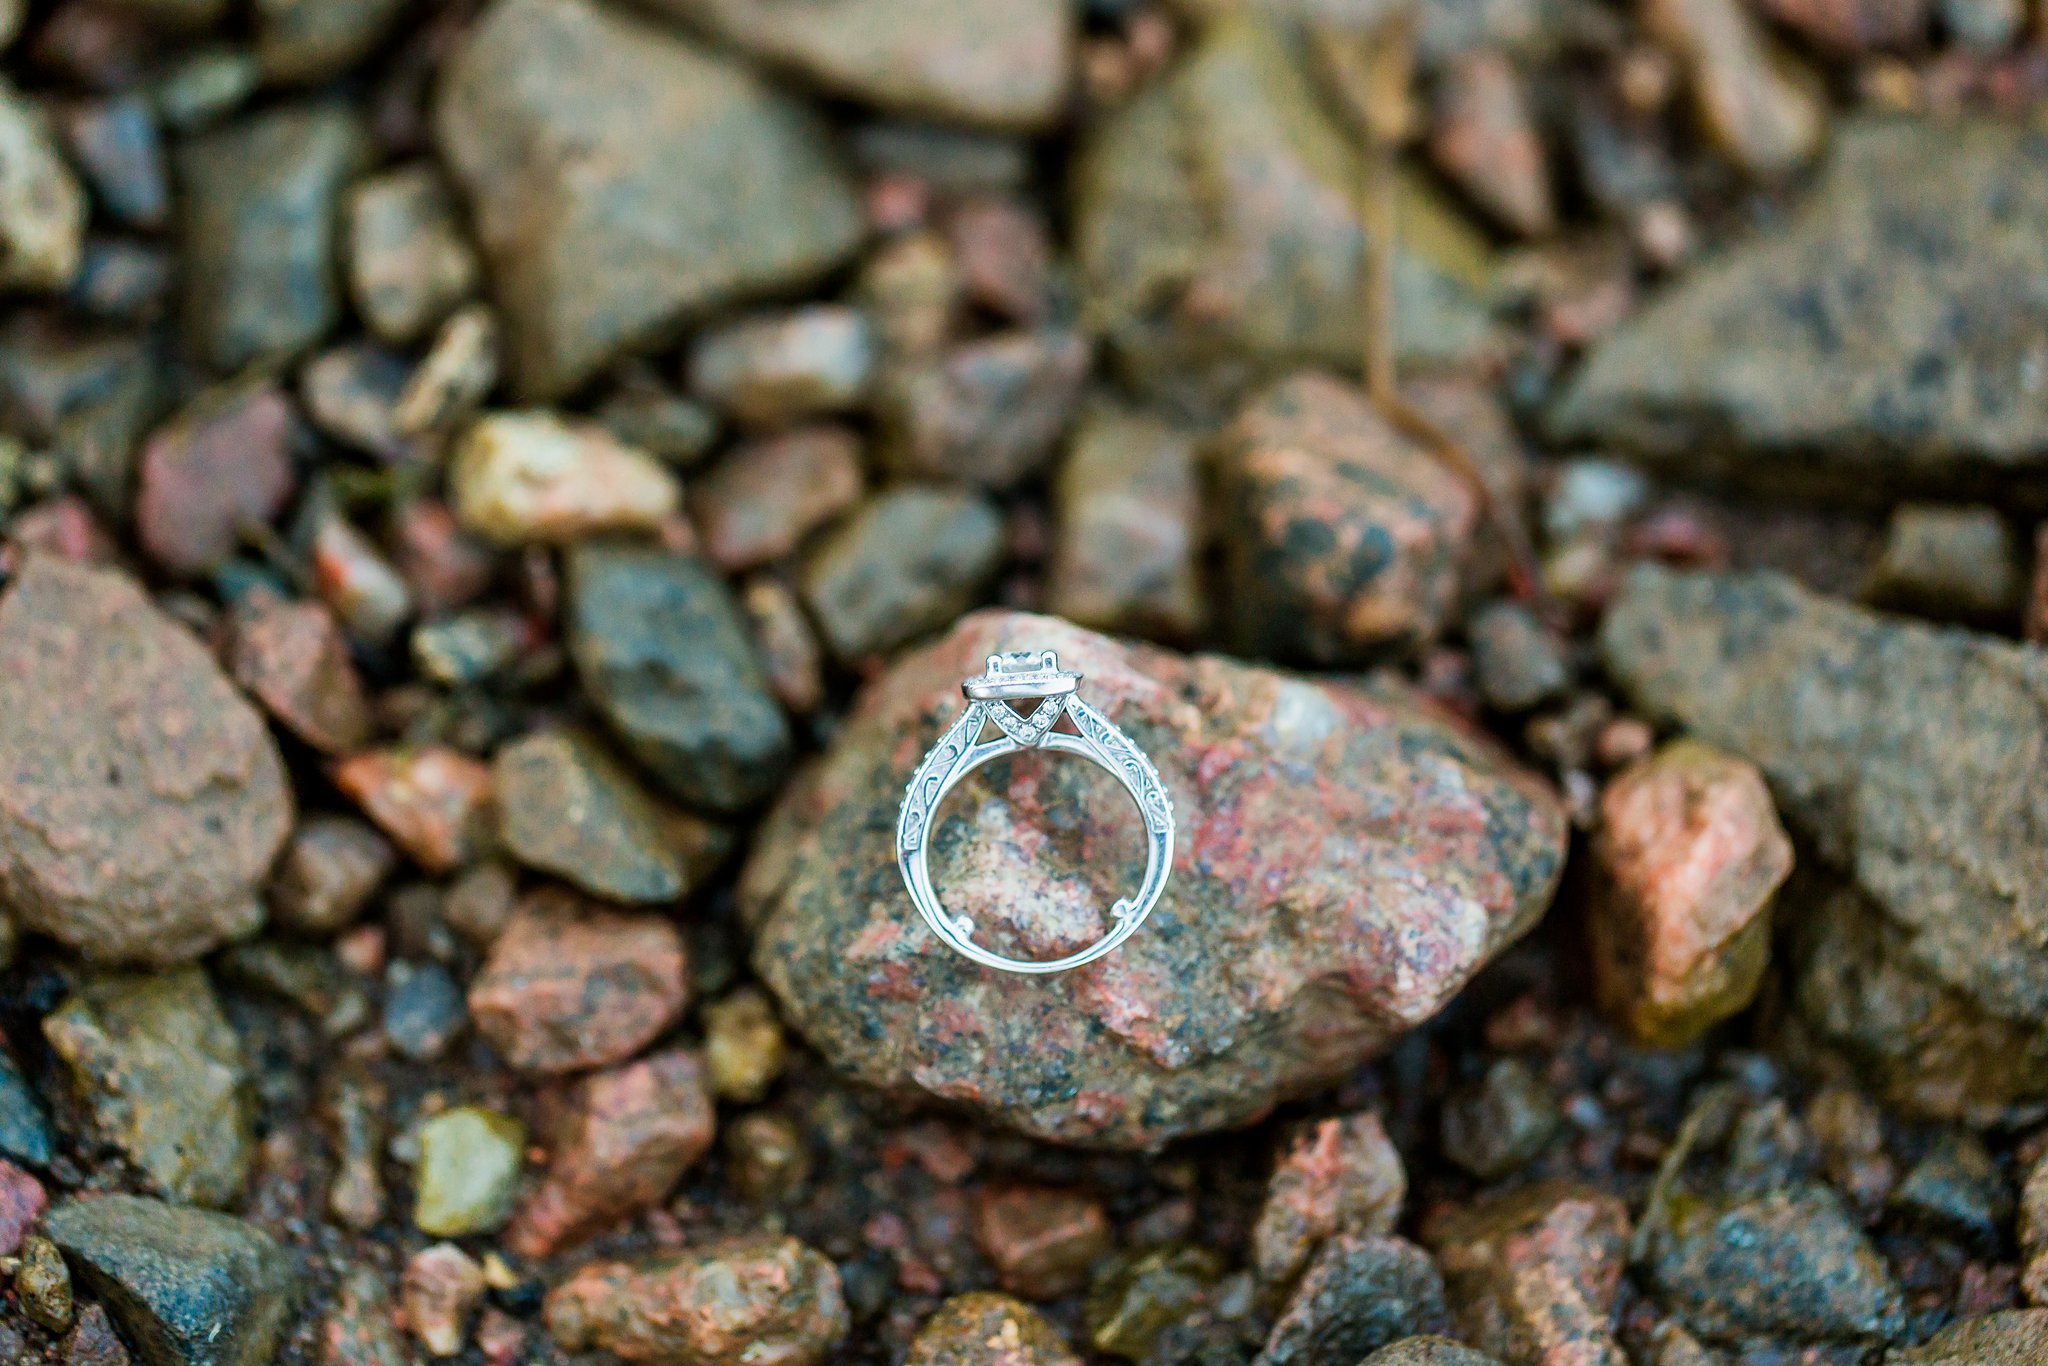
1025	677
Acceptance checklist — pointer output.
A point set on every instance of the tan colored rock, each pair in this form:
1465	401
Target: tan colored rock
1756	103
409	262
1337	1176
42	206
524	477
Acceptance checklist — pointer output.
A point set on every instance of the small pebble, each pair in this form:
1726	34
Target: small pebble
441	1288
470	1160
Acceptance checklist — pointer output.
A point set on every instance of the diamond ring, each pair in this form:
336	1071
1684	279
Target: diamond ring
1025	695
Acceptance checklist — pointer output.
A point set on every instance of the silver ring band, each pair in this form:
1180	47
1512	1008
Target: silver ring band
1026	677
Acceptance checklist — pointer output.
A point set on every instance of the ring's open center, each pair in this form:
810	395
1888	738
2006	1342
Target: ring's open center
1034	848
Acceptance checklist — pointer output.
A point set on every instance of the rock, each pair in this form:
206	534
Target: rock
663	652
222	464
1217	237
1427	1350
1003	63
42	206
1873	732
2012	1337
456	375
1005	256
433	801
1864	26
1337	1176
1127	527
525	477
352	1106
1486	139
771	369
354	578
188	1288
22	1199
666	425
360	1331
424	1010
471	647
43	1284
1342	538
1500	1123
328	873
141	799
119	150
788	643
94	1343
912	290
293	658
409	262
566	807
1041	1242
1519	660
1862	347
568	986
908	561
987	412
621	180
1361	1292
1533	1273
1141	1296
258	224
749	1299
1956	1191
305	41
744	1051
205	85
633	1132
760	502
1790	1262
986	1329
1954	564
161	1071
468	1171
1756	104
1151	1045
1689	855
349	392
441	1288
25	1133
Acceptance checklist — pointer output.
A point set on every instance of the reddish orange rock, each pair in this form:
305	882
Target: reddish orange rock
1042	1243
22	1199
203	475
763	499
634	1131
1688	856
568	986
431	800
749	1300
292	657
1337	1176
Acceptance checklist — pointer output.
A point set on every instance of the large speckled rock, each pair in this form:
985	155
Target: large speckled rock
620	178
1004	63
160	1069
1217	233
259	224
1346	860
141	797
1886	338
188	1288
664	653
758	1298
1911	757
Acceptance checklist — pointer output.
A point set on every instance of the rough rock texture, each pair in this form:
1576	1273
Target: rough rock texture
188	1288
1346	860
621	179
633	1132
294	659
760	503
664	653
1427	1351
569	986
985	1329
160	1069
1003	63
1882	341
1689	854
2013	1337
529	476
1342	538
1533	1273
1127	527
141	798
906	562
756	1298
258	223
1911	758
1042	1243
1361	1292
432	801
1337	1176
988	412
1217	234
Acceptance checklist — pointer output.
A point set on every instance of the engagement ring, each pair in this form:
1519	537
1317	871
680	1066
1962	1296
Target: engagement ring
1026	694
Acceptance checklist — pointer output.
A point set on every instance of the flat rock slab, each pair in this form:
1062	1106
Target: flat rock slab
1912	758
141	797
1346	860
1889	337
620	177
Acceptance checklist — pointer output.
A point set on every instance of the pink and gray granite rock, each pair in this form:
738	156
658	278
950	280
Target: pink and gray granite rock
1347	859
